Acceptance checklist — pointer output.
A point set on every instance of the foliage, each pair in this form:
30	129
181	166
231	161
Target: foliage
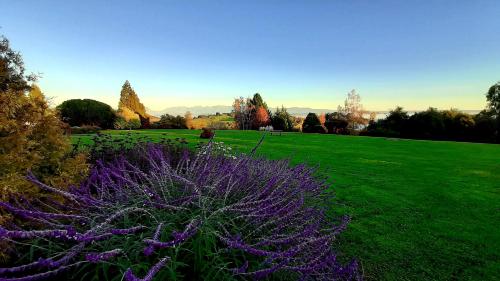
129	99
168	121
31	135
486	127
282	120
219	122
353	111
242	109
322	118
159	211
336	123
257	101
78	112
260	118
435	124
86	129
312	124
207	133
189	120
122	124
493	98
220	125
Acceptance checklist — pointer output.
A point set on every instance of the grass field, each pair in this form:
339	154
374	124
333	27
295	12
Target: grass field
421	210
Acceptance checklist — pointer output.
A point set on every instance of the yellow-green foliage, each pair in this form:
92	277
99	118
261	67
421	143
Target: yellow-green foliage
214	121
32	138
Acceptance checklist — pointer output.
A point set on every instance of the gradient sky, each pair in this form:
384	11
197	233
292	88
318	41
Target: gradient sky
297	53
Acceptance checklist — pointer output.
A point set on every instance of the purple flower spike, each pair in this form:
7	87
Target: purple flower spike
129	275
267	216
97	257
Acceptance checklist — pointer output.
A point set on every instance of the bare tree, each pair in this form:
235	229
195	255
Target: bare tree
353	110
242	109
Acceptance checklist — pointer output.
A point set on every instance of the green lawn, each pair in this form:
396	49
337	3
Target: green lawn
421	210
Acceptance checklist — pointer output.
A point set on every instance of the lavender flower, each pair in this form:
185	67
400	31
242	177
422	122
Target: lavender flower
263	212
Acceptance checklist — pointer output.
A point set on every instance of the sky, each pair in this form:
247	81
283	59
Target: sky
414	54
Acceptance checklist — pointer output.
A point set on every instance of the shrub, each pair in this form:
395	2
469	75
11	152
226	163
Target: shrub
31	134
282	120
168	121
79	112
320	129
311	123
122	124
156	211
207	133
220	125
85	130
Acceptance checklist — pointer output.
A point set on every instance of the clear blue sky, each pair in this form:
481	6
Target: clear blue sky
296	53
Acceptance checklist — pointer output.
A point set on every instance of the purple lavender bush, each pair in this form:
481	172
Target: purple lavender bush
156	212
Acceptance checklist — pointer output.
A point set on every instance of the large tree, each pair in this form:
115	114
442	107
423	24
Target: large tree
129	99
242	110
493	98
78	112
353	110
257	101
260	118
31	137
282	120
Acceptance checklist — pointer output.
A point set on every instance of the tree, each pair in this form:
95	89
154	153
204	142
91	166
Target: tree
31	135
79	112
353	110
312	124
242	110
396	119
257	101
189	120
282	120
261	118
426	125
485	126
493	98
129	99
336	123
322	118
168	121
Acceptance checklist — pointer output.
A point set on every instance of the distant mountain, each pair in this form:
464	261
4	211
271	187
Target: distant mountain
195	110
303	111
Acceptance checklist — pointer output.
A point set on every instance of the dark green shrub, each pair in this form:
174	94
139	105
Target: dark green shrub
207	133
282	120
310	123
78	112
337	126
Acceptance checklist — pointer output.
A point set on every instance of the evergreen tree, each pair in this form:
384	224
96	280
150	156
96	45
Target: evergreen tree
282	120
312	124
129	99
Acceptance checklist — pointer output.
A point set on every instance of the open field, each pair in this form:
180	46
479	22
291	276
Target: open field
421	210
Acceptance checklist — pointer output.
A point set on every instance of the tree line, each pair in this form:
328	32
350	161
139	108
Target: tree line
436	124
